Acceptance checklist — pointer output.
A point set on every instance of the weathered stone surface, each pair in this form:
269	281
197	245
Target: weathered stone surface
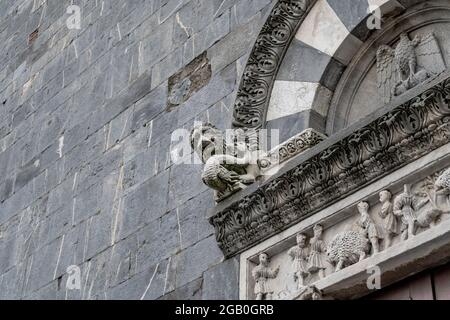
147	285
189	80
225	277
86	177
290	125
351	220
196	259
144	204
350	13
191	291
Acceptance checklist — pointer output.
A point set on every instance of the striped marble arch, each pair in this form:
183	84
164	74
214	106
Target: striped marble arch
308	72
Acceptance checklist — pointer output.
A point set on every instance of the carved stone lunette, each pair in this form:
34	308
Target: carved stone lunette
265	58
396	138
408	65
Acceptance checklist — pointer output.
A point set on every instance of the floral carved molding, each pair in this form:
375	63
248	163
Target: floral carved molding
399	136
264	61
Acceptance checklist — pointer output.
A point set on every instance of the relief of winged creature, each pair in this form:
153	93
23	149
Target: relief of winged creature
411	63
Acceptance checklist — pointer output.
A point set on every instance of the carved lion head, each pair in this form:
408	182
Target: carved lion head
207	140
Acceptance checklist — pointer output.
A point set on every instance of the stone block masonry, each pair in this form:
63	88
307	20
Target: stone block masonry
86	117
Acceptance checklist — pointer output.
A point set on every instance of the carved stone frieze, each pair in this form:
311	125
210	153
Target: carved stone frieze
360	236
390	220
354	245
265	58
396	138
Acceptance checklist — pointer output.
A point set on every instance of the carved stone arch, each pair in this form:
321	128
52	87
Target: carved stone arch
273	61
264	61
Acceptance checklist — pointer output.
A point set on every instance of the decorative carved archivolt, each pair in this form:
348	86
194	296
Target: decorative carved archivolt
400	136
265	58
417	209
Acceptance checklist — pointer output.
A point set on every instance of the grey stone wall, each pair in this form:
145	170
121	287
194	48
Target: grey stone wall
86	176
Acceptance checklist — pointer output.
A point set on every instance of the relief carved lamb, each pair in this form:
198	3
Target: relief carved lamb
442	187
352	246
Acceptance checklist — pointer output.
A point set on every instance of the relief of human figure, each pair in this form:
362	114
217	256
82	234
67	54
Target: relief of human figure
299	255
406	206
388	216
262	273
367	224
318	249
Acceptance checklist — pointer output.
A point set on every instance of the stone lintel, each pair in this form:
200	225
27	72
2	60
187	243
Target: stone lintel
403	131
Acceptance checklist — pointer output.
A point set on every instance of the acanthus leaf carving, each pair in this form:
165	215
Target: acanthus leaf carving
423	203
401	136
